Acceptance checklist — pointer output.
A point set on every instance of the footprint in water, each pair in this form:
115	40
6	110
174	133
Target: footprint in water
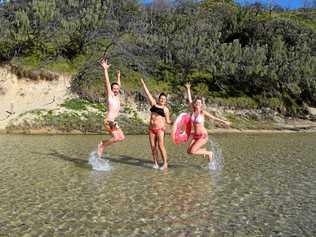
98	163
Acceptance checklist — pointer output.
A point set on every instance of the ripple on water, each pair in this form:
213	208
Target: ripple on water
266	188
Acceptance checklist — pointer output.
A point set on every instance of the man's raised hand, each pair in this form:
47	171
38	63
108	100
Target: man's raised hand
104	64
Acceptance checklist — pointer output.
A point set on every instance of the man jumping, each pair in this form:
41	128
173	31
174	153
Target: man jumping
113	99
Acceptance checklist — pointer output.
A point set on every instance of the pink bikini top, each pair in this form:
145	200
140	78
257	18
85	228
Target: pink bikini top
197	119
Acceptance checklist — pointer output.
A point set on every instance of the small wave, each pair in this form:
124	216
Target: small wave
98	163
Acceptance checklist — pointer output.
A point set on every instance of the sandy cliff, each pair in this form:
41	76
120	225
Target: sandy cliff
19	95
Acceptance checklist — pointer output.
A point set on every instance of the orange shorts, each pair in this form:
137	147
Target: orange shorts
110	126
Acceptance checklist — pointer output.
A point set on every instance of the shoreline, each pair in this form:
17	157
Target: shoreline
261	131
50	131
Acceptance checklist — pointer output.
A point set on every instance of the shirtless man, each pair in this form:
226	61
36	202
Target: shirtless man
113	94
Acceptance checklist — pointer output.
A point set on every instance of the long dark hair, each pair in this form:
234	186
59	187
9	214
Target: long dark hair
162	94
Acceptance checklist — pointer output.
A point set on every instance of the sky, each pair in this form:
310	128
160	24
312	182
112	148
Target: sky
290	4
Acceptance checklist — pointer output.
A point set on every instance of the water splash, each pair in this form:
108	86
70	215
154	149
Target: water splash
217	163
98	163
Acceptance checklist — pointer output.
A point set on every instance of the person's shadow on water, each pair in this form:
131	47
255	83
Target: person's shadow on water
122	159
55	154
85	163
129	160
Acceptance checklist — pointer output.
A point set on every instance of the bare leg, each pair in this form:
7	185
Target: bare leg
153	146
103	144
162	150
195	148
116	137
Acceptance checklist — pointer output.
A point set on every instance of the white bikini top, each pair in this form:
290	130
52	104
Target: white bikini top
197	118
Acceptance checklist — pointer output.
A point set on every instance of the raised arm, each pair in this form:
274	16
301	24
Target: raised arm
151	99
188	88
107	85
226	124
118	77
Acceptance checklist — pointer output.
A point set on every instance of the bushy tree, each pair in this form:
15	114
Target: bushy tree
223	49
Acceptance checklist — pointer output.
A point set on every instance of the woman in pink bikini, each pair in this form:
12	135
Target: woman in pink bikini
113	94
199	135
158	118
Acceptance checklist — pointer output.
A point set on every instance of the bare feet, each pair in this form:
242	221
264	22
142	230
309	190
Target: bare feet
210	156
211	162
156	166
164	167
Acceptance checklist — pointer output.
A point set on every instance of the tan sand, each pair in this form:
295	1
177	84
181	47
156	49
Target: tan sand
21	95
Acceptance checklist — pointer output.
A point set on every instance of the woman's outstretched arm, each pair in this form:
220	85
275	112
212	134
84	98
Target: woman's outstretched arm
216	119
151	99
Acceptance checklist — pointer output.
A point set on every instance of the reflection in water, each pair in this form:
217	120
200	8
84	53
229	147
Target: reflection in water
49	189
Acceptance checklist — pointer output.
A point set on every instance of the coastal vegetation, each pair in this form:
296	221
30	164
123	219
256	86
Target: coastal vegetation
246	57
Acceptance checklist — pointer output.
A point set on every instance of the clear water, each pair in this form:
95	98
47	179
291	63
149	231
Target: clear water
99	164
267	187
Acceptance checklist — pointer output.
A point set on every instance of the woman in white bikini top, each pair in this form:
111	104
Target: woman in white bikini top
199	135
197	119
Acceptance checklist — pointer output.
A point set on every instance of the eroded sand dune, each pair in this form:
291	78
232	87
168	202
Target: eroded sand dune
19	95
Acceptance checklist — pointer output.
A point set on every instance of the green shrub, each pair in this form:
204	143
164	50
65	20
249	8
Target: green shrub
75	104
61	65
235	102
274	103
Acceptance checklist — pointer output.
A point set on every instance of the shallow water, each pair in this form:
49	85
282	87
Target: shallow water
267	187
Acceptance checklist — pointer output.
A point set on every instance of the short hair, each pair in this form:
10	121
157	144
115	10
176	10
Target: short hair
162	94
113	84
